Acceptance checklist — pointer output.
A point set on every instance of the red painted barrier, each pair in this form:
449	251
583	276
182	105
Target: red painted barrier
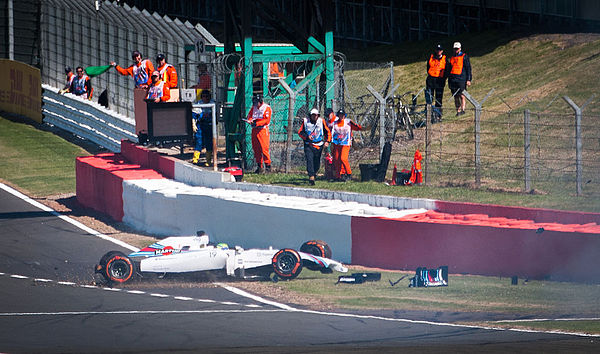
99	182
149	159
538	215
473	249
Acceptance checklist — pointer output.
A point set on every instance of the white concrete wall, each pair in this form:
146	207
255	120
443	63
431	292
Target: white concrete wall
189	174
248	219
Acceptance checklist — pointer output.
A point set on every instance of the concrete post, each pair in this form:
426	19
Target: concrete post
11	31
578	143
477	106
382	101
428	118
526	149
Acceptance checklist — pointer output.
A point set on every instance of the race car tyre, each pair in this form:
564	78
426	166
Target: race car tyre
287	263
117	267
317	248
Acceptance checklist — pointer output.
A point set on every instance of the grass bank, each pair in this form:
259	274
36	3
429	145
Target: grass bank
483	296
36	159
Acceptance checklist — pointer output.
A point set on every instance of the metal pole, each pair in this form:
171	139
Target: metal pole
477	106
11	31
527	146
428	117
578	169
382	100
291	106
215	137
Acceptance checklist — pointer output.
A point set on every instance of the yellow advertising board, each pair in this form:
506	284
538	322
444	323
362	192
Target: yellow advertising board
20	89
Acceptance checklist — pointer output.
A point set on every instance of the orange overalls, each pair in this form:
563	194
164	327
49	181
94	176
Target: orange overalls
416	172
342	140
141	72
260	118
168	74
275	71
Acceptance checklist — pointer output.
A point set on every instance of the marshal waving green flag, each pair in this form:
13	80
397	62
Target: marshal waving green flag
93	71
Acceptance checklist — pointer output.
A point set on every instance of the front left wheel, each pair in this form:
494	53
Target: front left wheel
116	267
287	263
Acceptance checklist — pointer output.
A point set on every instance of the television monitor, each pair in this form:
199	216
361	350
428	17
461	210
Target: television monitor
169	122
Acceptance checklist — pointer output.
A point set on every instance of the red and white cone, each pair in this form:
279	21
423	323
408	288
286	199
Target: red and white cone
394	175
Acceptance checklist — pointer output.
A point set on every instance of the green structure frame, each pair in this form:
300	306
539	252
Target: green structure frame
315	46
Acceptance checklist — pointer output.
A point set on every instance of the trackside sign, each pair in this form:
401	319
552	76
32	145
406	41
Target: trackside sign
20	89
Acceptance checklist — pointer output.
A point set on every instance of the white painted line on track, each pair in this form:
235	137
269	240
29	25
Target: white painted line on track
19	276
42	280
159	295
184	298
66	218
65	283
255	298
136	292
111	289
88	286
141	312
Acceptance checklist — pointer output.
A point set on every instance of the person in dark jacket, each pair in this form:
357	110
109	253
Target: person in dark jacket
459	77
436	80
81	85
316	137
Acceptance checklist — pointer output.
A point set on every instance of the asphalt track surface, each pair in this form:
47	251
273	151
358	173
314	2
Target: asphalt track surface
48	303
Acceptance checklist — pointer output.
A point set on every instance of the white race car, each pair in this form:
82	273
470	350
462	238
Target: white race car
183	254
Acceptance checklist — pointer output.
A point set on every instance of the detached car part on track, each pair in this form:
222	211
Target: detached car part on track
183	254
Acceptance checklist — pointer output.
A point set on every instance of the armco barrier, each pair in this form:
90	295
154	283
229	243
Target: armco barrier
486	250
87	119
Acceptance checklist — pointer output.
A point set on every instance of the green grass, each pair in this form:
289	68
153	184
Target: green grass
464	293
575	326
37	161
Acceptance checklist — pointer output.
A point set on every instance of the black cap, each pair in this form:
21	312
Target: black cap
67	69
439	47
341	112
160	57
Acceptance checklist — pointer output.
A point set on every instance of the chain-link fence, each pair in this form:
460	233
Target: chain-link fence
350	93
510	150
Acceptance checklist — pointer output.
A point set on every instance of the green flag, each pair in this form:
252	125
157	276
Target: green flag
92	71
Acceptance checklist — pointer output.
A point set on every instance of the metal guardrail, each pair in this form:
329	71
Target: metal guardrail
87	119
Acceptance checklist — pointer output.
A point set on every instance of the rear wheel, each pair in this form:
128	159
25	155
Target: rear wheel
117	267
317	248
287	263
